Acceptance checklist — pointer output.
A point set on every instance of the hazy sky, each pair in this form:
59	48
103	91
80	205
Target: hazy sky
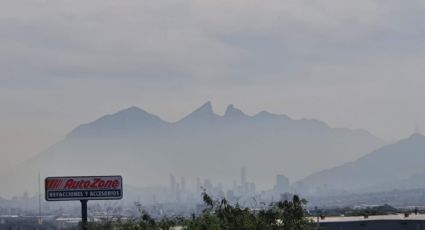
356	64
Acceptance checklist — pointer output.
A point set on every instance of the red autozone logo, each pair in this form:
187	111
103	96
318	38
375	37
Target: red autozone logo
55	183
82	183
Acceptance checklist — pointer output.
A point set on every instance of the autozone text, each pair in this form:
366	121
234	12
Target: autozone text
96	183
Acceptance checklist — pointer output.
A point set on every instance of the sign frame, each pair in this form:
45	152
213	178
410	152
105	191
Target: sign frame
47	190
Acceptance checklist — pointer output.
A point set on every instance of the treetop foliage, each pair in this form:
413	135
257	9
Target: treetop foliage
220	215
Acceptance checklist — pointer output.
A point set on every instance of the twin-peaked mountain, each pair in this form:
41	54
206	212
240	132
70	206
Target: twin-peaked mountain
145	149
133	123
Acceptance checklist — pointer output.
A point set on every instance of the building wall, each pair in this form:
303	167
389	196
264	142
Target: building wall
375	225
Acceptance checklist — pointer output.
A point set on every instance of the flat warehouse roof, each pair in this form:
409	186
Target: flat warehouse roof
399	216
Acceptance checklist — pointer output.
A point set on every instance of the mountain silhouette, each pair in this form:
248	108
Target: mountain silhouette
202	115
129	122
234	114
386	168
145	149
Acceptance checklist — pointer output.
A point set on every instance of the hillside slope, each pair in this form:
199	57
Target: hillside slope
145	149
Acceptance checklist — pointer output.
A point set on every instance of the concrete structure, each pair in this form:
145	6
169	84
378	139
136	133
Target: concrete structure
384	222
282	184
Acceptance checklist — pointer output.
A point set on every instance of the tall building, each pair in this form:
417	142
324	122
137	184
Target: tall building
198	185
235	185
243	176
172	182
183	183
208	185
282	184
178	193
252	189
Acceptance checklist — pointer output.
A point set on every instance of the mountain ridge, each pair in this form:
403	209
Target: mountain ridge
203	114
145	149
380	168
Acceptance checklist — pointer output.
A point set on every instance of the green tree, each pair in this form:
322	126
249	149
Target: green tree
220	215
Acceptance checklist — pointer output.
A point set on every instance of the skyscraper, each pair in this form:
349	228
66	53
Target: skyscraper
243	176
282	184
172	182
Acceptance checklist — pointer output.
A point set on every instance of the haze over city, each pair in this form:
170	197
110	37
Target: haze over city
355	64
305	92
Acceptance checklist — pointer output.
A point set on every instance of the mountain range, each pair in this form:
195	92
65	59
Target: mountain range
145	149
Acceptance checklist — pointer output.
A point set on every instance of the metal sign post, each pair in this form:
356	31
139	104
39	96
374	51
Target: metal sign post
84	214
83	188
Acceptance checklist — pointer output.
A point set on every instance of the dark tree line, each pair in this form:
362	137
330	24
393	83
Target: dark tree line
220	215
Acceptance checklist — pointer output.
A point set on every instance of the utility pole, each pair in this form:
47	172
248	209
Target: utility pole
40	221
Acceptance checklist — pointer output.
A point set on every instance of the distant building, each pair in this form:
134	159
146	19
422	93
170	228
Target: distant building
172	182
252	189
282	184
384	222
230	196
208	185
198	185
285	196
243	176
178	193
183	184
